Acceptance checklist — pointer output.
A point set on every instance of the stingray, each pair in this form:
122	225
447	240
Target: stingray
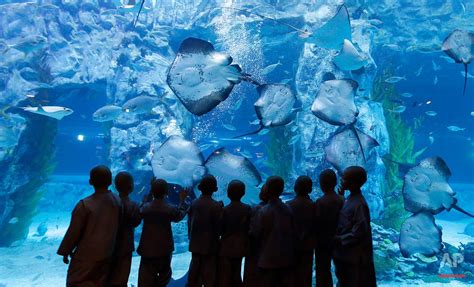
201	77
420	234
274	107
426	188
347	147
334	102
350	58
178	161
459	46
227	167
332	34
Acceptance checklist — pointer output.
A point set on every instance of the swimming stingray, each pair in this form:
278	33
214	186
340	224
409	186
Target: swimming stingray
459	45
347	147
426	188
275	106
227	167
420	234
332	34
200	77
178	161
350	58
54	112
334	102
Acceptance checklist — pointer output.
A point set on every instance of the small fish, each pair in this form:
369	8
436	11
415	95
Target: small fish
435	80
418	72
294	139
455	128
238	104
447	59
270	68
229	127
13	220
255	122
394	79
140	105
205	146
436	67
407	95
263	132
286	81
107	113
246	154
431	138
431	113
256	143
399	109
428	102
464	75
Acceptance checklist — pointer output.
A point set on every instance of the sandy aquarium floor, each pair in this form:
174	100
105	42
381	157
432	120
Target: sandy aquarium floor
34	262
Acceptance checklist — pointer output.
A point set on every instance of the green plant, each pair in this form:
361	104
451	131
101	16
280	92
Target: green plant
402	150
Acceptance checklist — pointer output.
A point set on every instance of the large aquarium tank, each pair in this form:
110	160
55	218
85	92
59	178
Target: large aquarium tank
240	89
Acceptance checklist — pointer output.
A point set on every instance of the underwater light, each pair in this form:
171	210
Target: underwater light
80	138
127	110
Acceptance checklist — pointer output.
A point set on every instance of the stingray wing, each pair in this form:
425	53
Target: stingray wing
178	161
420	234
332	34
201	77
459	46
275	105
227	167
334	102
343	148
426	187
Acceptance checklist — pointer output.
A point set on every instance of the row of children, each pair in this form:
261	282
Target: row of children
278	240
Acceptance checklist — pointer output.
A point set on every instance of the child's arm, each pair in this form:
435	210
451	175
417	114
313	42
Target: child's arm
74	232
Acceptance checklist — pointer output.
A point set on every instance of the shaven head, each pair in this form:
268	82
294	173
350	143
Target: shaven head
159	187
303	185
208	184
354	177
275	186
100	177
124	183
327	180
236	190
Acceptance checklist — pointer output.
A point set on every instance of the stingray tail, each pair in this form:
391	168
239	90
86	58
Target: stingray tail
251	133
248	78
465	80
463	211
358	140
138	15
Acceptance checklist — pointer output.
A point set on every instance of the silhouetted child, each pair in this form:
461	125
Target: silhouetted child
234	236
251	273
353	253
91	237
125	239
327	210
203	231
275	231
156	242
303	213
